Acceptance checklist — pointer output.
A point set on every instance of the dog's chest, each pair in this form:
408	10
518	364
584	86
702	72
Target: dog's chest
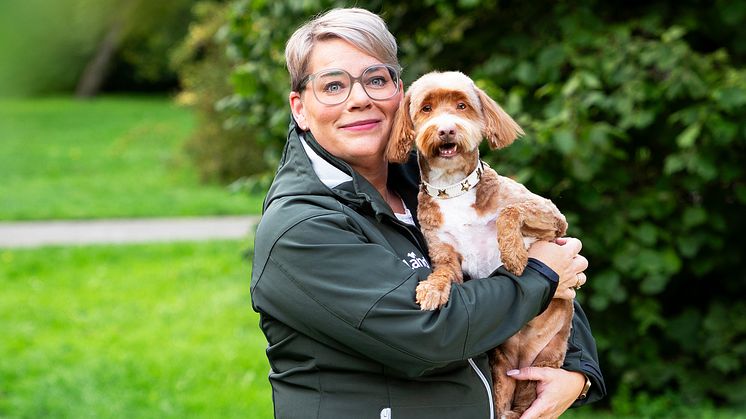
473	235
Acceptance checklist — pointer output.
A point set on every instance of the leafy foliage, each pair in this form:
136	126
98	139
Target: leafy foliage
637	141
635	128
222	149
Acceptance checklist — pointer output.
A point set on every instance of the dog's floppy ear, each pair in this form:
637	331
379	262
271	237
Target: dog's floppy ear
402	134
499	128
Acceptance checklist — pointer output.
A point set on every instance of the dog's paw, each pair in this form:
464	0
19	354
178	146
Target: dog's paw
516	263
431	296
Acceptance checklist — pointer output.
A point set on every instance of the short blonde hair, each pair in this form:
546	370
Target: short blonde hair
361	28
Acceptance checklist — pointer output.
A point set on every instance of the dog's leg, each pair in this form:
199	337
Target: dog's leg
435	290
552	355
526	219
525	391
510	240
525	394
502	359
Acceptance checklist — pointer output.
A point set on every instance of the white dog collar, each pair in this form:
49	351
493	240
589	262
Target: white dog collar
458	188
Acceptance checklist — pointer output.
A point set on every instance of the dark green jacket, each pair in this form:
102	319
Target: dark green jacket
334	279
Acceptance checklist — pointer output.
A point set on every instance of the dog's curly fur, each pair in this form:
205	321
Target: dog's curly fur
446	116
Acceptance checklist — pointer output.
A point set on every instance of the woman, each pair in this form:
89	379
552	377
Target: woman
338	257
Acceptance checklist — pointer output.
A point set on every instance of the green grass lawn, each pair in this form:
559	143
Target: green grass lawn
146	331
149	331
62	158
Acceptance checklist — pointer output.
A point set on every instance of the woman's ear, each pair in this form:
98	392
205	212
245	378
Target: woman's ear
296	108
499	128
402	134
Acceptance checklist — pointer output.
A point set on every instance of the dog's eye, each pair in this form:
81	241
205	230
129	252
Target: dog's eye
427	108
461	106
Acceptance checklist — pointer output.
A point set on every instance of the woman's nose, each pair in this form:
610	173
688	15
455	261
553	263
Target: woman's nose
358	96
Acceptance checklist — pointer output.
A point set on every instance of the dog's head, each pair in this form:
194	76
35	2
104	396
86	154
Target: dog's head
446	115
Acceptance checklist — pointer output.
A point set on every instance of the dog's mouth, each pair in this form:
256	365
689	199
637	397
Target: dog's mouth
447	150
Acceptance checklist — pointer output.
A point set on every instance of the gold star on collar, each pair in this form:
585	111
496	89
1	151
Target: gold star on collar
442	193
465	186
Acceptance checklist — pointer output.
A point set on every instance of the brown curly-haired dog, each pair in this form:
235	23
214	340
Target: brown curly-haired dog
474	220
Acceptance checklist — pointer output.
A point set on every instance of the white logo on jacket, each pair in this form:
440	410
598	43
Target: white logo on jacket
414	262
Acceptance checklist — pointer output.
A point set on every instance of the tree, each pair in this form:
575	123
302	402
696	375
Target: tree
52	47
97	68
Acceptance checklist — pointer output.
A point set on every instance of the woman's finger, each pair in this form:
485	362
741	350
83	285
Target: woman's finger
571	242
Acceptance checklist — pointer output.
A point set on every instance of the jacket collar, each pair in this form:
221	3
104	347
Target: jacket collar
307	169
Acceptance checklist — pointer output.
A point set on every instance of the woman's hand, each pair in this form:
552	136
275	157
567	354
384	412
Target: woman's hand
563	256
556	390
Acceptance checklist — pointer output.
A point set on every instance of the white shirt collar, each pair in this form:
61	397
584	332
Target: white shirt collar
327	173
406	217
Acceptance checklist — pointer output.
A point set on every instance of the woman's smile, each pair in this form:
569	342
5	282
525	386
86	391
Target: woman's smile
362	125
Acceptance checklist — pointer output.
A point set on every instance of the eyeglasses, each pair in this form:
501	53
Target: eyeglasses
333	86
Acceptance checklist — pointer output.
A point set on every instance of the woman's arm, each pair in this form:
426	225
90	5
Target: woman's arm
327	278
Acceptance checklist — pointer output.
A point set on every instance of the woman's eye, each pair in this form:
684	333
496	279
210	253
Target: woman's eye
461	106
427	108
334	87
377	82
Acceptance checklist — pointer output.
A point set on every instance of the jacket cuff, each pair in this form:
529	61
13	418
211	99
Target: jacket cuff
548	274
582	356
543	269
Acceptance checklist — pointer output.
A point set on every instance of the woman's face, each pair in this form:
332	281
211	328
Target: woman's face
356	130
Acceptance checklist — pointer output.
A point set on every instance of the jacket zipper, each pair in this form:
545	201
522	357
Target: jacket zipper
486	386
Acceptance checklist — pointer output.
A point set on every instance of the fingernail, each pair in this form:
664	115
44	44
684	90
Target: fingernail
513	372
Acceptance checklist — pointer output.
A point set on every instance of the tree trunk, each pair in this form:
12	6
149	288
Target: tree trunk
92	79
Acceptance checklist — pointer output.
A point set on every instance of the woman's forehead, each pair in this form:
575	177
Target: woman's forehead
337	53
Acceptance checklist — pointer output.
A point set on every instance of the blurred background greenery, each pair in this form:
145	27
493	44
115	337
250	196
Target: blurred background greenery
635	120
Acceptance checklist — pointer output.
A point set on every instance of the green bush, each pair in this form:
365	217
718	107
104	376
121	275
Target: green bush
635	128
223	147
640	140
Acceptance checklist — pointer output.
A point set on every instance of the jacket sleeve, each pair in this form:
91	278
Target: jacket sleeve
326	278
582	356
